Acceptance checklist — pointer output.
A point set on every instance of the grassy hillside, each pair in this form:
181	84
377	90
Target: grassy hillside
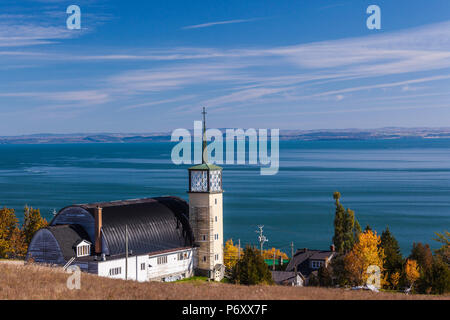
38	282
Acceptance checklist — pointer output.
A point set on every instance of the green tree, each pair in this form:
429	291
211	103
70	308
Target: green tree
325	275
251	269
32	222
393	260
346	227
444	251
440	276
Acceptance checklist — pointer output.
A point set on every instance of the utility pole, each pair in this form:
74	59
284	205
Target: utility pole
126	252
261	238
273	267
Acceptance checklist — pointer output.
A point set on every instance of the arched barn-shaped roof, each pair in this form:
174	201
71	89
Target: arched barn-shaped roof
55	244
154	224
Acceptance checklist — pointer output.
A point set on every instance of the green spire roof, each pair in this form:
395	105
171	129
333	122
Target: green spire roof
205	166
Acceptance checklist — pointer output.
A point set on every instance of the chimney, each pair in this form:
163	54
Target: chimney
332	248
305	249
98	229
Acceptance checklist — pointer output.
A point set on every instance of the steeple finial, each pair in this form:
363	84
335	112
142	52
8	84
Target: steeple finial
204	147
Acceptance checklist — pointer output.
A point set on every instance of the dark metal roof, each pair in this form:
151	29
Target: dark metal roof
154	224
302	258
68	236
280	276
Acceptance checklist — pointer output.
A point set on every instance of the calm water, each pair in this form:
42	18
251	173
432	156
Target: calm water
402	184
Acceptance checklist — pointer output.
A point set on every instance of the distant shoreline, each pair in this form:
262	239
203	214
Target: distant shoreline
294	135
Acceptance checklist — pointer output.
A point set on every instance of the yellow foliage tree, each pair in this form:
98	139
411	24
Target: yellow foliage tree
366	252
268	254
230	253
412	271
32	222
8	227
395	279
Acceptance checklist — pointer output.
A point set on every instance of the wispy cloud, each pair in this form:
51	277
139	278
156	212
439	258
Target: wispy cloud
210	24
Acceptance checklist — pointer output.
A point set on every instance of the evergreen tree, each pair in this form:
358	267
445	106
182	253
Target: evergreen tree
346	227
393	260
440	276
325	275
251	269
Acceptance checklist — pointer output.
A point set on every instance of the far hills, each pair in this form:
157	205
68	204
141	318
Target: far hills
300	135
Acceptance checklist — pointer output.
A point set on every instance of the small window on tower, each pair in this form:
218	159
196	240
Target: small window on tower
215	200
216	218
204	258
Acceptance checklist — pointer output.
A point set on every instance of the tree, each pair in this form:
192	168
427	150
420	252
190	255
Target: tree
251	269
411	272
393	260
8	228
268	254
346	227
394	280
440	276
423	255
366	252
32	222
325	275
444	251
230	254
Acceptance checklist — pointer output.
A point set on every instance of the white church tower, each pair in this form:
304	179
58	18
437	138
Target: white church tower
206	214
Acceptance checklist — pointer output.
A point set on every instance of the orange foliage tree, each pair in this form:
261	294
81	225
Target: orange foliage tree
268	254
412	271
366	252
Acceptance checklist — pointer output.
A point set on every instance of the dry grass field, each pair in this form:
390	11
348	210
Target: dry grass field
38	282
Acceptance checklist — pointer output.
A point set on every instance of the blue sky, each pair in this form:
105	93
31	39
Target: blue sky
146	66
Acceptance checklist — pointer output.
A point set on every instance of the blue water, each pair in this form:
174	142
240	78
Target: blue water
404	184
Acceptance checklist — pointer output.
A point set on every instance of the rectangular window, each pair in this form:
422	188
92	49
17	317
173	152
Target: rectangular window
162	260
216	218
142	266
115	271
182	255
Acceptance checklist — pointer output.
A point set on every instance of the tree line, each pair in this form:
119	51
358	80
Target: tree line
361	256
423	271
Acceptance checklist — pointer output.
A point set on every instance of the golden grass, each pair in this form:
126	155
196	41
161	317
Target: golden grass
40	282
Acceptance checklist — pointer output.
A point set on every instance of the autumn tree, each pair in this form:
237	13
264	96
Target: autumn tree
411	272
8	230
251	269
393	260
269	253
423	255
346	227
32	222
230	253
366	252
394	279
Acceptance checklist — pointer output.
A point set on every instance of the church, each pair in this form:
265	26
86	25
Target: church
150	239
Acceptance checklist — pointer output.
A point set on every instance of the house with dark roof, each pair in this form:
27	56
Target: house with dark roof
307	261
287	278
162	238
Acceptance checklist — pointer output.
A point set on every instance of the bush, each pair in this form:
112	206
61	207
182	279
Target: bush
251	269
